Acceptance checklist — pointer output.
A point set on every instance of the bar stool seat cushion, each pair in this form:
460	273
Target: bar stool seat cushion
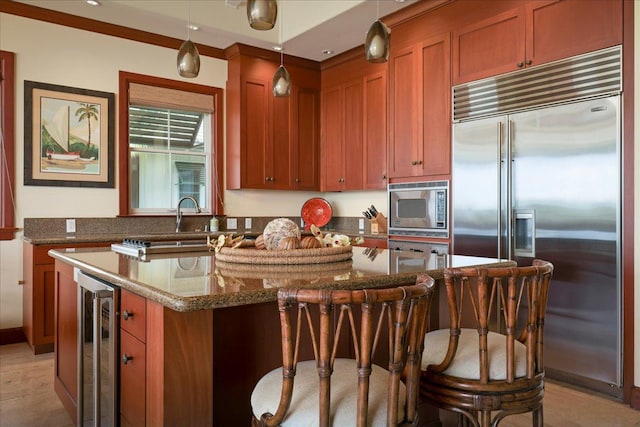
466	363
304	405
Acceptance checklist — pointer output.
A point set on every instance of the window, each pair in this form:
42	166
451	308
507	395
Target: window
7	173
172	145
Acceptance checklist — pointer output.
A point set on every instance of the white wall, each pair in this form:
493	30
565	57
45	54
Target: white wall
60	55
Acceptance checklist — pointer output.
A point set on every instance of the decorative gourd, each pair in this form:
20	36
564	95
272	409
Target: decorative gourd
287	243
309	242
279	229
260	242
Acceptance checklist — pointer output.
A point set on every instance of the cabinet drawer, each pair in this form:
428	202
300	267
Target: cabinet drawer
133	313
132	379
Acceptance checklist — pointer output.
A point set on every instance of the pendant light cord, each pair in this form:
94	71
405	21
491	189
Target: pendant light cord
280	31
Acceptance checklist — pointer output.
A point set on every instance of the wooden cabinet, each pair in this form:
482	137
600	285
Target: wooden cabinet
375	242
66	338
342	137
38	295
354	134
532	34
272	142
420	112
132	359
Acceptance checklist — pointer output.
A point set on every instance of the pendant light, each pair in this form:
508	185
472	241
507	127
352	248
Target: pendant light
188	57
376	45
262	14
281	79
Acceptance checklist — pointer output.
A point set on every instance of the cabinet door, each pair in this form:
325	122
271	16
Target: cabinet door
559	29
404	111
332	153
375	131
277	155
43	307
493	46
255	134
66	339
133	314
436	106
352	141
305	145
132	379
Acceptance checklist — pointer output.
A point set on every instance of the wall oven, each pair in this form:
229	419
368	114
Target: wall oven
419	209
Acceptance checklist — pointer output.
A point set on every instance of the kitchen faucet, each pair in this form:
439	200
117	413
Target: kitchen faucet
179	214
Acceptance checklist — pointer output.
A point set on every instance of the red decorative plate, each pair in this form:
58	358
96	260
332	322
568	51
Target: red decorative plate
316	211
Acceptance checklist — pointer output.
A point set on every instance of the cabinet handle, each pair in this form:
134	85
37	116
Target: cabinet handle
520	64
528	62
126	359
126	315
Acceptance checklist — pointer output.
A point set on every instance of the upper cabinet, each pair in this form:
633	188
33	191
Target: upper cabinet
420	108
532	34
354	125
272	142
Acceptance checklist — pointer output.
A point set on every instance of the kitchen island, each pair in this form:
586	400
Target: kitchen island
198	334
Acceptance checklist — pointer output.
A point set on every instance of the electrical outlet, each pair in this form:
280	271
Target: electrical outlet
71	226
247	223
232	223
360	223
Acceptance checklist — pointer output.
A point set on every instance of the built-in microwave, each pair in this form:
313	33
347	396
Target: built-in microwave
419	209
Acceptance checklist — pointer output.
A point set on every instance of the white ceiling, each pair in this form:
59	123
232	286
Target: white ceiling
310	26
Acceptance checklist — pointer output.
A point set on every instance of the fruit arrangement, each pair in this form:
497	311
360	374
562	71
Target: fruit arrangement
283	234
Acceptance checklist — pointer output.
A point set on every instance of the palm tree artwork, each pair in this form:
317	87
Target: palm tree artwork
87	112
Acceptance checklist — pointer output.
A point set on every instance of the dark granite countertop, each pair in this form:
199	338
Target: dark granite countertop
195	281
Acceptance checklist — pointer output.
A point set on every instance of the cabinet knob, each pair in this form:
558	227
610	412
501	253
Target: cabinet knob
520	64
528	62
126	359
126	315
384	177
297	179
419	162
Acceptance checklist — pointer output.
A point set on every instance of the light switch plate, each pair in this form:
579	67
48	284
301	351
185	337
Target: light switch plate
247	223
71	226
232	223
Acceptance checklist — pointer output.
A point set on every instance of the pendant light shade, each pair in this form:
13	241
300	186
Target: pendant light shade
376	45
262	14
281	82
188	60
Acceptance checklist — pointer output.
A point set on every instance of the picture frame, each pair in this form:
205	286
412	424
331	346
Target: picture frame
69	136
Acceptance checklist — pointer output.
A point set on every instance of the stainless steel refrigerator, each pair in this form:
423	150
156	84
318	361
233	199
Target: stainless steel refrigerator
546	183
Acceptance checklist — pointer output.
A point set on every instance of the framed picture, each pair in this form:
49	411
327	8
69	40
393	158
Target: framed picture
68	136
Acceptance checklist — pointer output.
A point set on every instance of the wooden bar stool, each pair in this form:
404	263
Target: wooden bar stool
489	363
331	390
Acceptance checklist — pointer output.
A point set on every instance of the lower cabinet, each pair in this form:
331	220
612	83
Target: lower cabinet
66	338
38	294
133	359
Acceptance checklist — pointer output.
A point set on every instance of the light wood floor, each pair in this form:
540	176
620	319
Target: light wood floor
27	399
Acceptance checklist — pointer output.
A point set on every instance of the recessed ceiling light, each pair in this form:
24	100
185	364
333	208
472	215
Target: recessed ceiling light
193	27
327	52
277	48
93	2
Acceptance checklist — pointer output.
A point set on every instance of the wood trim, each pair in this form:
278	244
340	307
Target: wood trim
414	11
67	20
628	175
269	55
125	79
7	104
12	336
635	398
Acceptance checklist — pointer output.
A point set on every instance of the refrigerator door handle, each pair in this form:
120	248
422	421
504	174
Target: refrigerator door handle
499	163
509	194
